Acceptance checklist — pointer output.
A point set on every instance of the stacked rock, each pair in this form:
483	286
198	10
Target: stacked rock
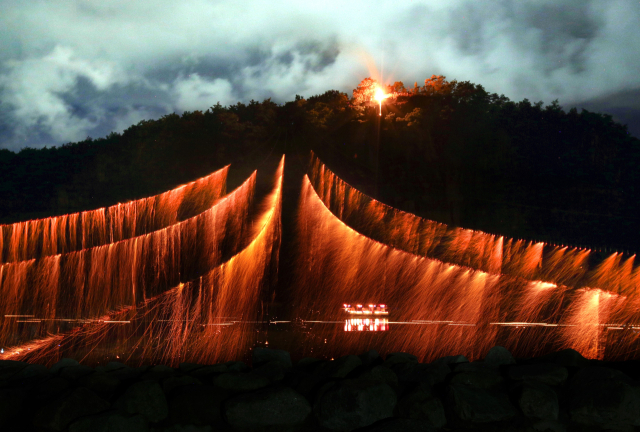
559	392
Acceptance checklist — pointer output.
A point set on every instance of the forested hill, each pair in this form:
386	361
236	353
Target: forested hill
449	151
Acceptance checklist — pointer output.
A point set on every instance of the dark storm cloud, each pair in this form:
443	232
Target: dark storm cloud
557	33
623	106
74	68
146	102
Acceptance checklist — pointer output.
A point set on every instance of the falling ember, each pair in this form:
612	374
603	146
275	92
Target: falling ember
464	290
337	262
193	290
61	234
183	323
91	281
583	321
470	248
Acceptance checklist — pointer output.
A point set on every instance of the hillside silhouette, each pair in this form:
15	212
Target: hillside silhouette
446	150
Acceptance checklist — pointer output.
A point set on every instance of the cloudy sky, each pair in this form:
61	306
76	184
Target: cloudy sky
72	69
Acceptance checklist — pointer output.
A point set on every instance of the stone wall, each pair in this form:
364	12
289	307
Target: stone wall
559	392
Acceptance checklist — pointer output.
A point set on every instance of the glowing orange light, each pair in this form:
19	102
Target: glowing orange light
379	96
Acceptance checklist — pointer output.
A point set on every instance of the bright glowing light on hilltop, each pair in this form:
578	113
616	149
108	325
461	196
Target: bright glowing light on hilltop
379	96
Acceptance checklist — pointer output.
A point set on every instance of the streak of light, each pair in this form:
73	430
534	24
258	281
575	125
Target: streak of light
430	322
324	322
519	324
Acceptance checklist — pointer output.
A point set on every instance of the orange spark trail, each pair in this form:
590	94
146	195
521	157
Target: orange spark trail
338	265
62	234
465	247
206	320
482	290
92	281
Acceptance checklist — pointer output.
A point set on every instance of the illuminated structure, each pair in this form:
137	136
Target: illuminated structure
371	309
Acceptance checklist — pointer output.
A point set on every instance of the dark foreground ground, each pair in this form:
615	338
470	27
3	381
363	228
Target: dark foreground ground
559	392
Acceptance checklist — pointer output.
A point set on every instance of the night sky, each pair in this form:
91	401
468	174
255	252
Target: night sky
72	69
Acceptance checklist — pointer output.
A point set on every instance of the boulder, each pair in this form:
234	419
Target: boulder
498	356
592	374
274	371
547	373
236	366
601	396
58	414
275	407
126	373
174	382
12	364
400	357
479	405
158	373
196	404
190	428
340	367
369	357
10	368
111	366
238	382
452	360
145	398
308	364
398	425
480	379
264	355
548	426
539	401
306	384
32	373
110	421
470	367
49	388
437	372
207	374
190	367
102	384
11	400
382	374
413	373
63	363
420	403
568	358
353	403
72	373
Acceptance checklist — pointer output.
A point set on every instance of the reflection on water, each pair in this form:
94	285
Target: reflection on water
330	338
366	324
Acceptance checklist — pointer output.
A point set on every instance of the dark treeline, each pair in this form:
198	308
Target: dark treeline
449	151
